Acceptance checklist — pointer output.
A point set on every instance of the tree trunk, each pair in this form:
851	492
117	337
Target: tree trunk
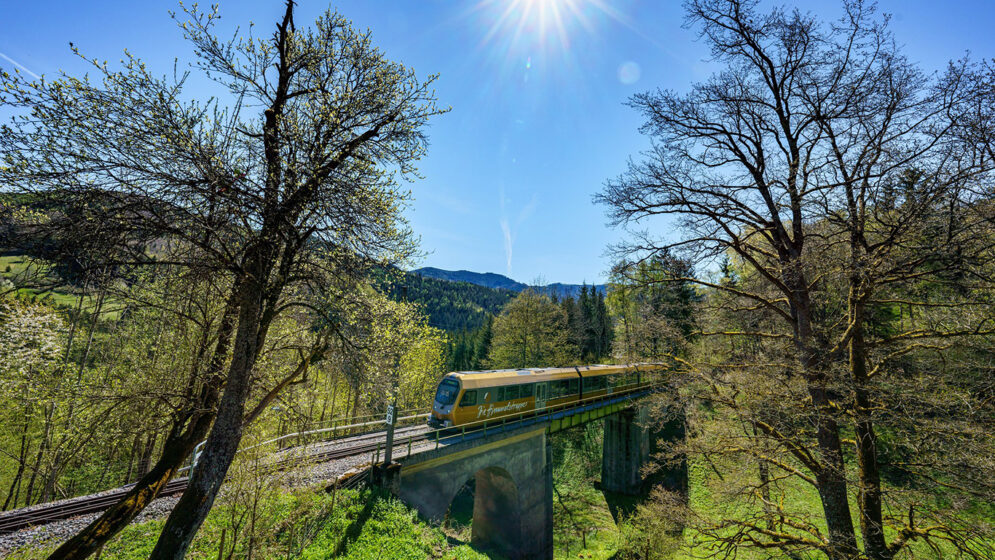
222	442
355	403
869	493
176	448
22	459
103	472
96	534
132	457
46	435
831	477
75	317
146	458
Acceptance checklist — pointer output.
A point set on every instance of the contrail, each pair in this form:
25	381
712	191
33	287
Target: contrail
19	65
509	241
509	231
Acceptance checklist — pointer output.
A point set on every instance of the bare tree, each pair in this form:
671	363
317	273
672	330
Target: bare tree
781	159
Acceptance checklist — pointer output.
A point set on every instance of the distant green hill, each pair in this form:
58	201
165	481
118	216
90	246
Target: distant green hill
450	305
499	281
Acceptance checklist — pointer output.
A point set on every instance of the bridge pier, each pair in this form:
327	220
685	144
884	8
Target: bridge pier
626	450
631	439
513	501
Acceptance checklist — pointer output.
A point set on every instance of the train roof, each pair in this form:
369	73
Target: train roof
498	377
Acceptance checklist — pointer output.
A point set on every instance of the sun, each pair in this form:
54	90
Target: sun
545	24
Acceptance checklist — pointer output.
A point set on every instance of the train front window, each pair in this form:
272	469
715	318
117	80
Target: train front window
447	392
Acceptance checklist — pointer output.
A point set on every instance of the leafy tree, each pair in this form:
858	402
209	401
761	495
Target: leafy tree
531	331
655	302
589	325
32	343
485	338
288	205
654	528
577	456
467	350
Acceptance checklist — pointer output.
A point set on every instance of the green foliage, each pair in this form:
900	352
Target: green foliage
306	524
589	325
384	528
654	305
581	517
653	530
467	351
531	332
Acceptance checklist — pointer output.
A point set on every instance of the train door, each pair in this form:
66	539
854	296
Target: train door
540	395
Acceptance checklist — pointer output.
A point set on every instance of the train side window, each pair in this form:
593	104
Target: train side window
526	390
469	398
563	388
574	386
511	393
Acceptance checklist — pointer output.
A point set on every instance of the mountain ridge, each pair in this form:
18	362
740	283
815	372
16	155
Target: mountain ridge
500	281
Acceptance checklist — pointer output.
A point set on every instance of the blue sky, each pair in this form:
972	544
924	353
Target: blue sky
538	122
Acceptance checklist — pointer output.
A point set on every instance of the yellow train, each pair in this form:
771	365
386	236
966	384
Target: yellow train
466	397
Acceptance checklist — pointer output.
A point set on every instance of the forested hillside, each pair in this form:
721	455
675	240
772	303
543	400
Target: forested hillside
453	306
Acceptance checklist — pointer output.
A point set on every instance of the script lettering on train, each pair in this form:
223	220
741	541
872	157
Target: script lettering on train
489	410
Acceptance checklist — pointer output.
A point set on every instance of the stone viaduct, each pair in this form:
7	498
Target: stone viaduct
512	469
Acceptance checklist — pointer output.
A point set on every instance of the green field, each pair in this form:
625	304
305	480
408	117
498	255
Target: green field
18	268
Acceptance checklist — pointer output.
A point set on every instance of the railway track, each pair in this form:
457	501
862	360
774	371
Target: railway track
17	520
41	515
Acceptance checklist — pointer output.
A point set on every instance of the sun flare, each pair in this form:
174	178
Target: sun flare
545	24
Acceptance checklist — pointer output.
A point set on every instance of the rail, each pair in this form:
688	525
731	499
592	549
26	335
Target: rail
412	412
346	430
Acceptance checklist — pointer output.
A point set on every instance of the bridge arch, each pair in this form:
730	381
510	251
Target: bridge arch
489	500
512	505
